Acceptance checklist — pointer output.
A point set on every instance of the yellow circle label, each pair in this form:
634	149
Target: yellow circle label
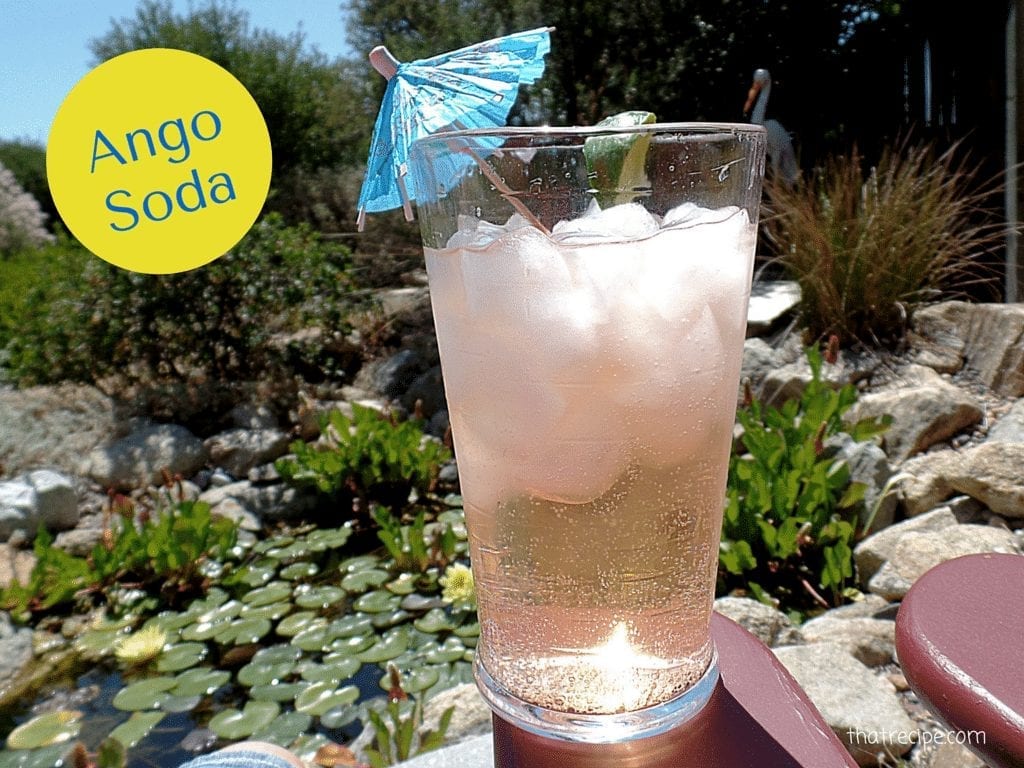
159	161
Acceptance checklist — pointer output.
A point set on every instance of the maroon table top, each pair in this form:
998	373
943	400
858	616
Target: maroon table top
960	641
757	716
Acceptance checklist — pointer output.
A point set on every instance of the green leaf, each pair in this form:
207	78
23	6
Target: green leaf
234	724
145	694
46	729
136	728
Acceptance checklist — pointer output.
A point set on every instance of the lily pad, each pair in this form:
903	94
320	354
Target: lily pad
199	682
434	620
351	645
450	650
300	570
340	668
145	694
169	621
97	643
244	631
351	625
180	703
339	717
258	574
312	639
377	601
297	622
262	673
46	757
136	728
319	598
390	618
182	656
293	551
329	538
470	629
273	592
385	649
405	584
320	697
273	612
416	680
307	745
285	729
360	581
276	654
233	724
44	730
277	542
358	563
276	691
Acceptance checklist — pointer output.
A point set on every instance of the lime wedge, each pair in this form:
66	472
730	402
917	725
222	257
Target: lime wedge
616	163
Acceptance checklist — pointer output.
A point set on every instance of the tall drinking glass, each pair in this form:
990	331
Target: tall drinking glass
589	290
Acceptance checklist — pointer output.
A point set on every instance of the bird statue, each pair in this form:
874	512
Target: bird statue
780	144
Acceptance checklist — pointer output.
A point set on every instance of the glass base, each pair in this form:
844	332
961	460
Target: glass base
597	729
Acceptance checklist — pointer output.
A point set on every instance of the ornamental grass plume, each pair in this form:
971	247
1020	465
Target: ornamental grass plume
140	647
867	247
22	221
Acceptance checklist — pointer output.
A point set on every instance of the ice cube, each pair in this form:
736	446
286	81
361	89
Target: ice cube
691	213
620	222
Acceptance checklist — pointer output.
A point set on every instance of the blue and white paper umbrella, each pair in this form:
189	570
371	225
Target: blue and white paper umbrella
473	87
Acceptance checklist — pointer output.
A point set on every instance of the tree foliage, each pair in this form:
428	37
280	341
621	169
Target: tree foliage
314	108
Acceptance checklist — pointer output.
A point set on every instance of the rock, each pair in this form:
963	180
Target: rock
403	301
239	450
770	626
862	709
393	375
81	540
234	511
919	551
870	641
759	359
771	302
53	427
268	503
990	338
15	657
869	606
992	473
1010	427
142	457
869	465
924	485
477	752
428	390
42	497
949	754
472	717
15	565
875	550
925	410
252	416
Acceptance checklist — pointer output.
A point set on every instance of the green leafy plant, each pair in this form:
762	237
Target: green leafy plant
368	455
402	737
792	512
413	548
867	248
163	553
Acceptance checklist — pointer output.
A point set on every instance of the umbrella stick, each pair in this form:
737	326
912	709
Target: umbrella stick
502	187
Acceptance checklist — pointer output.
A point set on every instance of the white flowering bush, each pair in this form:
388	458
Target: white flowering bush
22	221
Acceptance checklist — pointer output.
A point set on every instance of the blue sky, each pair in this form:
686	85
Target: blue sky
44	48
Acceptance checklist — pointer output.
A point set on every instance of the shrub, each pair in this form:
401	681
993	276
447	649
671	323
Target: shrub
368	456
792	513
215	323
22	221
867	249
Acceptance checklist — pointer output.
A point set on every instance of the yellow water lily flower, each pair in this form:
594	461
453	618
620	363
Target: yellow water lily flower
141	646
459	587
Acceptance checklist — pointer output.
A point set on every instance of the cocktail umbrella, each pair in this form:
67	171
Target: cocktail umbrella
473	87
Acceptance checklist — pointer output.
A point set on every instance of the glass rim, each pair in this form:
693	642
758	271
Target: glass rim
695	128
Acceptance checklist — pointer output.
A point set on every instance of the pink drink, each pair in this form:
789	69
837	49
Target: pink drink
592	391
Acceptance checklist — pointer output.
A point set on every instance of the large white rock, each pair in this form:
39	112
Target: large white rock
42	497
141	458
872	553
770	626
861	708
